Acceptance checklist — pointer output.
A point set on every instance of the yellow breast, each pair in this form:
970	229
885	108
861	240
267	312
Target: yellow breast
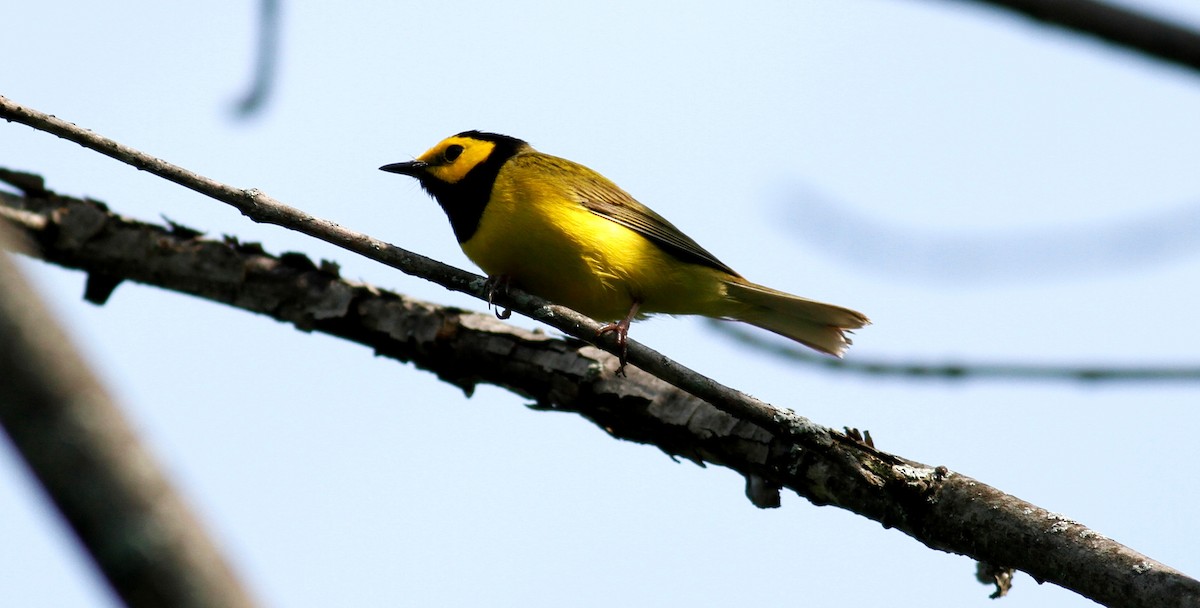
550	245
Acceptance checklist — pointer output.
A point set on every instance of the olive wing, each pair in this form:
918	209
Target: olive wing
604	198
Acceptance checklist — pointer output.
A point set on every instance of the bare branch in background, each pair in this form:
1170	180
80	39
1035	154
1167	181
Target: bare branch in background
1152	238
266	61
966	371
151	549
940	508
1112	23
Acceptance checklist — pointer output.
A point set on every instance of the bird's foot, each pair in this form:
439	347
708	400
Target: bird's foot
497	285
621	329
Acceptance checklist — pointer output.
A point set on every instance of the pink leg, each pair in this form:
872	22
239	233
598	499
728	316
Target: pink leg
621	328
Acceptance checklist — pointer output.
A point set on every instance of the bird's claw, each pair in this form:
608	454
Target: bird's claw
621	329
497	285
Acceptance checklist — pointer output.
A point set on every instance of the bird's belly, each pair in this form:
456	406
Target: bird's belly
588	263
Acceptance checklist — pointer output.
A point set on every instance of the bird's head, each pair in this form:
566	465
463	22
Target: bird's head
459	158
459	174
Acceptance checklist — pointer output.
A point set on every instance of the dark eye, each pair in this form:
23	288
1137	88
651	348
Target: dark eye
452	152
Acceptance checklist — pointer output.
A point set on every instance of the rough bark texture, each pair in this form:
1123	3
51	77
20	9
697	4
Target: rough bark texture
938	507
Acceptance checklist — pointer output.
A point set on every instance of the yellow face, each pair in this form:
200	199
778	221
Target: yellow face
454	157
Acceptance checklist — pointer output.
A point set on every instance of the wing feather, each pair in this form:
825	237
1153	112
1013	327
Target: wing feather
601	196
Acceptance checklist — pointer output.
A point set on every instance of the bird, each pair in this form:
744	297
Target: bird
561	231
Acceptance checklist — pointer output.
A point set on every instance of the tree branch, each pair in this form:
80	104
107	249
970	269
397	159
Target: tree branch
940	508
1111	23
151	549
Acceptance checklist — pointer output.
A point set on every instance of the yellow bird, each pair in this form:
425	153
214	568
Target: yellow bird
562	231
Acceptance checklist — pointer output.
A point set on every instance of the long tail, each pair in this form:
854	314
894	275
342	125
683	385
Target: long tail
814	324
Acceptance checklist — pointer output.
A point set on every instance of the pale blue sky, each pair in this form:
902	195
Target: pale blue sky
335	478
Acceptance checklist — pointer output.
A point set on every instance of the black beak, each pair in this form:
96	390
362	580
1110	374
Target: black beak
413	168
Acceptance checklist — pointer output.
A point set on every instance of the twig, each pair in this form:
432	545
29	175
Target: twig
104	482
1111	23
965	371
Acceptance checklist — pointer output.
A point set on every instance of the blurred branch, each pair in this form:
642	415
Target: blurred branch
266	60
964	371
1149	238
1115	24
103	481
773	448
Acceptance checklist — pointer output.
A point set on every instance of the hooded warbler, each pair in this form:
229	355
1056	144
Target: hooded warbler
562	231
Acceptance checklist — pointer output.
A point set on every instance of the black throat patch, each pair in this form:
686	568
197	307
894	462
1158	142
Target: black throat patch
465	200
